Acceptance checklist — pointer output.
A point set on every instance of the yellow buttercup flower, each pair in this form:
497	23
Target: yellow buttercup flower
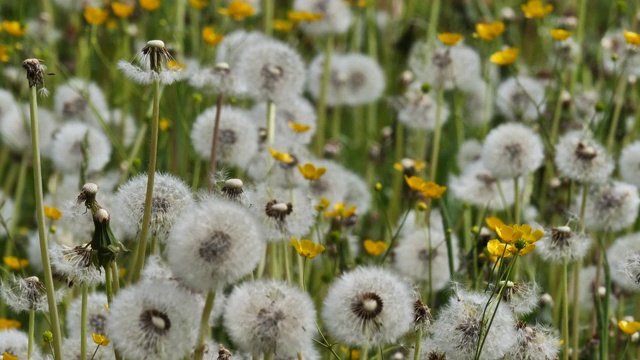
9	324
322	205
282	25
450	38
14	263
631	37
210	37
514	239
535	9
340	210
629	327
122	10
505	57
428	189
149	5
52	213
238	10
310	172
490	31
100	339
307	248
298	16
298	127
414	182
374	248
95	16
281	156
199	4
493	222
164	124
560	34
13	28
4	53
7	356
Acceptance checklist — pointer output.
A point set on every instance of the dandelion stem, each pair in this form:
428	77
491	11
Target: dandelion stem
204	326
575	310
286	254
46	265
418	342
32	325
565	310
321	107
146	218
268	17
17	209
435	147
108	284
619	101
83	322
214	144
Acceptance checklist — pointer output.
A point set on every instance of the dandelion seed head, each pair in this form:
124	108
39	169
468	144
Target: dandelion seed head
561	243
419	110
579	157
535	342
521	98
446	67
16	343
511	150
80	100
72	139
336	16
15	129
368	304
611	206
97	315
478	186
621	255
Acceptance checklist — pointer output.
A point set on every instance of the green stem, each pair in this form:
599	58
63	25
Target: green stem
433	21
268	17
17	209
286	254
301	264
516	200
446	221
565	311
32	325
37	180
204	326
83	323
108	283
619	101
437	133
575	310
214	144
321	106
417	343
146	218
604	331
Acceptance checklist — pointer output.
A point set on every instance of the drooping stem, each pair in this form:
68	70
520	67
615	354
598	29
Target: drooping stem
214	144
204	326
46	265
146	217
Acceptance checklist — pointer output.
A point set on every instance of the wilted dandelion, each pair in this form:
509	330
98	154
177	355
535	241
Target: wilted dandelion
560	243
26	294
154	60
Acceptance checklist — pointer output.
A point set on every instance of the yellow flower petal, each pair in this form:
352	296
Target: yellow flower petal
629	327
631	37
450	38
210	37
14	28
9	324
149	5
122	10
7	356
374	248
493	222
298	127
281	156
307	248
535	9
505	57
95	16
560	34
237	10
100	339
432	190
52	213
496	248
15	263
282	25
490	31
199	4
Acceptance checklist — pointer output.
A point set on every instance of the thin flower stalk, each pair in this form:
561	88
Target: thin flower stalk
32	329
214	143
35	75
271	122
565	310
83	322
204	326
269	8
437	133
321	108
146	217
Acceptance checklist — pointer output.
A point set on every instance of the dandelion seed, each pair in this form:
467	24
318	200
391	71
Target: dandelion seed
418	110
535	342
81	100
446	67
521	98
74	265
26	294
478	186
368	304
560	243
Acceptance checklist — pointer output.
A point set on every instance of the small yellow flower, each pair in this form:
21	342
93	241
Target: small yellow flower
374	248
164	124
95	16
100	339
210	37
629	327
199	4
432	190
298	127
631	37
355	353
149	5
409	164
340	210
505	57
414	182
174	65
281	156
560	34
4	53
7	356
122	272
122	10
14	263
298	16
14	28
514	239
450	38
9	324
323	204
282	25
535	9
307	248
238	10
310	172
52	213
490	31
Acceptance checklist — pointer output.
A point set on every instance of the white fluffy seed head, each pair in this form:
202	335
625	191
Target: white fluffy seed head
521	98
68	144
446	67
97	315
535	342
629	163
296	110
15	128
478	186
16	343
214	243
511	150
368	302
419	110
580	158
270	316
623	257
336	16
561	243
153	321
612	206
